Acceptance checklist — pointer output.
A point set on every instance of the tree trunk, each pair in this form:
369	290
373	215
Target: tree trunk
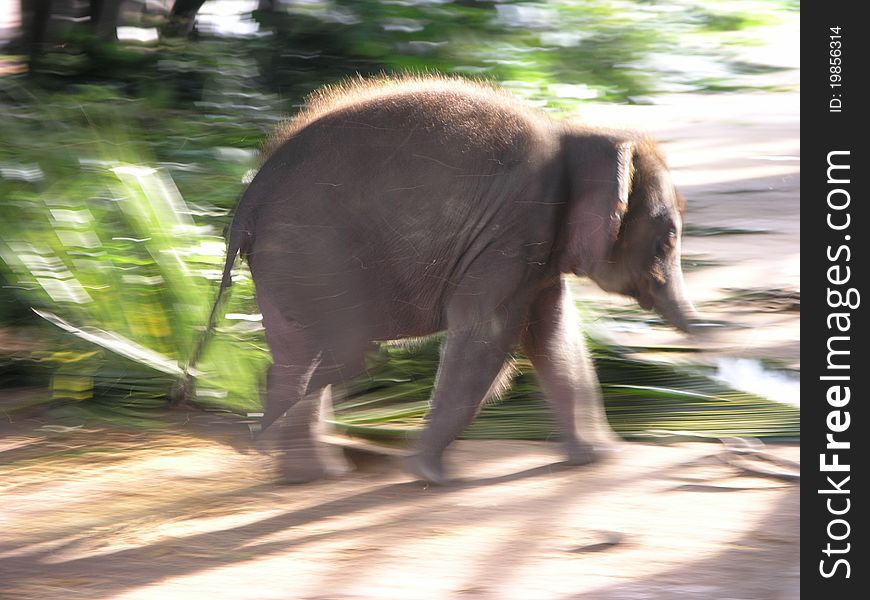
104	18
182	17
35	15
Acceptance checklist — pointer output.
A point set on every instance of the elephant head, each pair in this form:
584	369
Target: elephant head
625	221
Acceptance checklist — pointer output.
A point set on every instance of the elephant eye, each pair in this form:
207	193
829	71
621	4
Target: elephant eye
666	244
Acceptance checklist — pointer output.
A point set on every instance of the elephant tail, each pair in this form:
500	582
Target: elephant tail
239	242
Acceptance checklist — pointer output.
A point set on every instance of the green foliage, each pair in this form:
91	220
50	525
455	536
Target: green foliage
557	53
92	232
389	404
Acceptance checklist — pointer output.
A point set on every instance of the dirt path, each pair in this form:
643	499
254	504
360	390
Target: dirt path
141	516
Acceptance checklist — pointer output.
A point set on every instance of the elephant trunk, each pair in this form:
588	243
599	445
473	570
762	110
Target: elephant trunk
671	303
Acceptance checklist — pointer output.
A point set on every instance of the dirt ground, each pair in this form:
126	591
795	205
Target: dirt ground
96	514
106	514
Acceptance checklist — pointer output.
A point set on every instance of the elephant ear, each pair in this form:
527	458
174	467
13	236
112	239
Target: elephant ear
599	172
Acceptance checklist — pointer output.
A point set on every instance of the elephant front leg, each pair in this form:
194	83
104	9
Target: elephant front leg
471	362
554	343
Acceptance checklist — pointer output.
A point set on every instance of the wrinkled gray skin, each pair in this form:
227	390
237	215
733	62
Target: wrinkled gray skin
425	206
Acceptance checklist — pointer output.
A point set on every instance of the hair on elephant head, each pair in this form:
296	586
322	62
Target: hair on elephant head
395	208
625	221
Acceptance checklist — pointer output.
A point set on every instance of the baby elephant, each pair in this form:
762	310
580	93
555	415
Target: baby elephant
399	207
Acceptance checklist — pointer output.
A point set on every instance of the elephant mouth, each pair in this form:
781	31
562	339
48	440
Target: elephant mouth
645	301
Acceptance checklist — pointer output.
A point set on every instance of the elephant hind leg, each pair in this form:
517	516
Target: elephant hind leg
305	456
305	365
295	359
289	425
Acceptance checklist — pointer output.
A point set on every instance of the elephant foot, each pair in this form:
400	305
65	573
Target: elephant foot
300	460
294	474
304	464
333	459
426	468
583	454
299	464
